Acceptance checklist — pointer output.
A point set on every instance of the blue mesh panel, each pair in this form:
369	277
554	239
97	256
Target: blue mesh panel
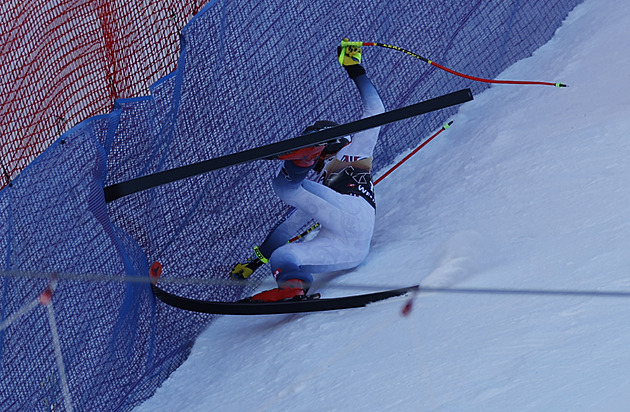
250	73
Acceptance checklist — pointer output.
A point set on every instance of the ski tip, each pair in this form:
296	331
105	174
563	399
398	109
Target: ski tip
155	272
561	85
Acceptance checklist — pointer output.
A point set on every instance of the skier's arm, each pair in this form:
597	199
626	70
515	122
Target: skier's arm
363	143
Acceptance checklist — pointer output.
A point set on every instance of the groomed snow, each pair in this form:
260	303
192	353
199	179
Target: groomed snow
527	190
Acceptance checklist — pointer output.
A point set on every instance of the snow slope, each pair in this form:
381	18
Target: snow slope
527	190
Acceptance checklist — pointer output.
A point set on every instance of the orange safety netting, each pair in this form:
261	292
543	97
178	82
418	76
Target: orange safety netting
64	61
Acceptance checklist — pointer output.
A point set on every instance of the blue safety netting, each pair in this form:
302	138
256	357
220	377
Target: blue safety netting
249	73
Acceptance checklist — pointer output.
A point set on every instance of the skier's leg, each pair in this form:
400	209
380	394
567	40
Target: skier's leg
342	243
296	221
331	209
325	253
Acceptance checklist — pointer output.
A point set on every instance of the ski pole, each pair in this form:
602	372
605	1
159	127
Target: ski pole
446	126
306	232
345	43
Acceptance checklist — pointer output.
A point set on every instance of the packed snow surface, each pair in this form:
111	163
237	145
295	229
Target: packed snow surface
527	191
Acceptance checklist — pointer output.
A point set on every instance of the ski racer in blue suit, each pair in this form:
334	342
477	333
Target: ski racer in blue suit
340	200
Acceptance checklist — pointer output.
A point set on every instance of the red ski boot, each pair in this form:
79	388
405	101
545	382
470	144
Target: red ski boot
290	289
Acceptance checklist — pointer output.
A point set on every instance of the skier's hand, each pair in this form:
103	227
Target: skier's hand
348	55
242	271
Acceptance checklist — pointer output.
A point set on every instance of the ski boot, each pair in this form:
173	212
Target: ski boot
289	290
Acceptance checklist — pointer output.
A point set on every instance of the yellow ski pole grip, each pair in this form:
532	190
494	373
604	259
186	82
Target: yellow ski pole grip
346	43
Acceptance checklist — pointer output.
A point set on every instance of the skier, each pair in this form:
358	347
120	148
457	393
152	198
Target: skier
341	201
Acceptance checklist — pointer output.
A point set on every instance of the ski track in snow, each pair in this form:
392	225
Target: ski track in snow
528	189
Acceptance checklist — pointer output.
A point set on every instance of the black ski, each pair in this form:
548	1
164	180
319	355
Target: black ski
128	187
308	304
